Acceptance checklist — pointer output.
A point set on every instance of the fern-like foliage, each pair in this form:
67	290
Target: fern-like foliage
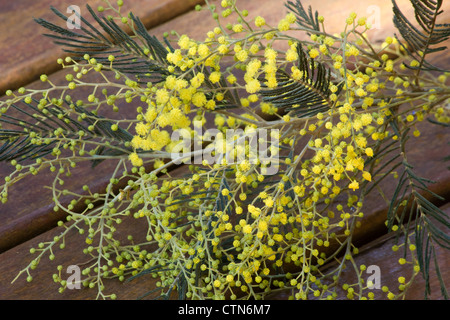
410	205
140	55
305	19
30	134
413	206
306	96
423	40
431	230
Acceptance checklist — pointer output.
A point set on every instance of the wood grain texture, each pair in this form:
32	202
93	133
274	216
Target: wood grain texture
29	218
25	53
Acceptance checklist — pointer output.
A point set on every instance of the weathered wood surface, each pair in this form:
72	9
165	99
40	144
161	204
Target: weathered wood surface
28	218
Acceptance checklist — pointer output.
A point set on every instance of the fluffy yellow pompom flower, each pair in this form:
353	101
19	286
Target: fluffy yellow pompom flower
254	48
369	152
255	211
291	55
247	229
316	169
215	76
253	86
199	99
141	129
328	41
135	160
242	55
366	119
284	25
162	96
361	92
203	50
354	185
366	175
184	42
278	237
270	54
269	202
290	18
352	51
231	79
151	114
238	28
313	53
223	49
262	225
252	68
259	21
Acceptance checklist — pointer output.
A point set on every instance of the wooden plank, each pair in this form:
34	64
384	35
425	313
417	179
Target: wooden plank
26	53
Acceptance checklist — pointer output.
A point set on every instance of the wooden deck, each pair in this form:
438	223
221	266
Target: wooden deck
28	218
